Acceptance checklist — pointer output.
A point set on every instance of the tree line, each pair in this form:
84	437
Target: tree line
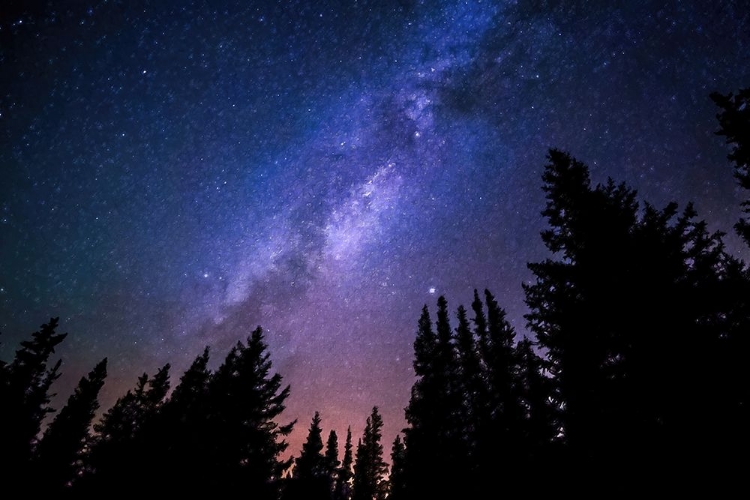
635	372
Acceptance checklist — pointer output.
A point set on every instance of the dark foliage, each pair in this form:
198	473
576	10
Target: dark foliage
24	391
370	468
310	478
734	124
345	473
488	412
637	316
397	486
59	456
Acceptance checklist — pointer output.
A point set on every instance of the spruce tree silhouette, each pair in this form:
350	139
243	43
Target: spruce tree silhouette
422	433
310	475
734	123
344	477
634	319
473	387
117	451
436	445
244	439
396	485
332	461
370	468
179	435
311	463
467	413
217	433
503	428
59	453
24	393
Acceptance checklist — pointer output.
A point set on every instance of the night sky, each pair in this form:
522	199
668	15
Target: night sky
173	174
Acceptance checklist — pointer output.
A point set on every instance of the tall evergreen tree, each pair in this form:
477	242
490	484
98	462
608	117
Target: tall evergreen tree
734	123
332	459
436	441
311	462
177	437
632	322
117	449
190	393
503	430
472	385
245	439
310	478
345	473
24	393
59	451
421	435
396	484
370	468
497	410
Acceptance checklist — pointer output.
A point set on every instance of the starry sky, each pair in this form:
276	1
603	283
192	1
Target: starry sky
173	174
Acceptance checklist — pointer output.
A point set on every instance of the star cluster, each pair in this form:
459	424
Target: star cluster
175	173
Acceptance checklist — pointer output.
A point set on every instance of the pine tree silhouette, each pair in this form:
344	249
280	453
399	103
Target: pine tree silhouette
171	441
310	478
311	463
59	453
397	487
345	473
244	439
180	435
634	319
117	450
332	461
370	468
436	444
734	123
24	392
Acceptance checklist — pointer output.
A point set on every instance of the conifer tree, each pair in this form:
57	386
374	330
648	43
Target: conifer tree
191	391
502	431
436	445
472	385
245	440
498	410
332	458
734	123
560	314
310	479
370	468
635	303
177	438
117	449
311	462
24	393
59	451
475	412
421	435
344	473
397	487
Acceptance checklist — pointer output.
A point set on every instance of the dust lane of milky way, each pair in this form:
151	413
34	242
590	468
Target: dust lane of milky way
176	173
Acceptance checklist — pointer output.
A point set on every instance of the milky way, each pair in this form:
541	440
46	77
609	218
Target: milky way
176	173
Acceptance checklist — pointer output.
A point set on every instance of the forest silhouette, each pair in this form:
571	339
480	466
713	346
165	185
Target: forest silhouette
634	377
